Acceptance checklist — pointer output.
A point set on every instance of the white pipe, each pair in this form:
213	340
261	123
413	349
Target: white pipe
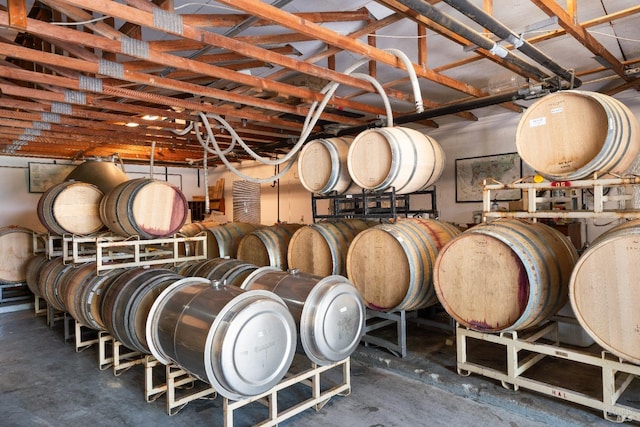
153	151
315	111
417	95
205	170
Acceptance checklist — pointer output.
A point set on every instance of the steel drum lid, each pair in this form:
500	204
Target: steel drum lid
250	345
333	320
151	331
333	315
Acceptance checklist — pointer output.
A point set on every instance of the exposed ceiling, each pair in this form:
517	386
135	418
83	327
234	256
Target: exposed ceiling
82	79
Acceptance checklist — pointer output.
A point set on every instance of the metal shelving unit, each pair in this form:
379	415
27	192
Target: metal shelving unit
526	349
597	187
373	205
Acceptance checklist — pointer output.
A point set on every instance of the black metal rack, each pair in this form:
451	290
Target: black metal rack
371	205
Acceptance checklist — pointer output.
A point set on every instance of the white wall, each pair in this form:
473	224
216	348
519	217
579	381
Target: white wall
491	135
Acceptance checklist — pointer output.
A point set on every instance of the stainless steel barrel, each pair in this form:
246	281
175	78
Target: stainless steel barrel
126	303
329	311
240	342
231	271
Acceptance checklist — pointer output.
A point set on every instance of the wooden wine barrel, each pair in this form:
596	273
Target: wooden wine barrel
16	249
71	208
51	281
223	240
574	134
504	275
267	246
33	269
84	291
322	166
605	293
392	264
231	271
321	248
127	300
190	230
104	175
144	207
403	158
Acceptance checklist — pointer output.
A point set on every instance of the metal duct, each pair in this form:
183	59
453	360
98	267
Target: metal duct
496	27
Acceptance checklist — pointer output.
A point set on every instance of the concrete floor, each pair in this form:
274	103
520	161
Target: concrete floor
44	382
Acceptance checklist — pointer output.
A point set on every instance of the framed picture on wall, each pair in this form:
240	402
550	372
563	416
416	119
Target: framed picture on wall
43	176
471	172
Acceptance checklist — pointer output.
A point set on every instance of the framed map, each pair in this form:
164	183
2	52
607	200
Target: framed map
471	172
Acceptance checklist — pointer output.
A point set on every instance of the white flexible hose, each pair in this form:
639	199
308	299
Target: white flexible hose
417	95
315	111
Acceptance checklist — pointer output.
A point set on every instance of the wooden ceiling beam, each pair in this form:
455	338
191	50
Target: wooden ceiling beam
552	8
332	51
138	111
333	38
181	45
104	43
152	80
17	14
216	58
144	17
127	152
231	19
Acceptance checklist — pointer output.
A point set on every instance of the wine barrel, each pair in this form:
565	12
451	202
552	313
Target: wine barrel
604	294
83	294
232	272
33	269
267	246
504	275
321	248
71	208
16	249
240	342
322	166
397	157
223	240
329	311
127	300
144	207
192	229
392	264
575	134
104	175
51	281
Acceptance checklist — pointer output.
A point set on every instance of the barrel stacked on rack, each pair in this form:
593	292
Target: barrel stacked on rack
98	195
229	323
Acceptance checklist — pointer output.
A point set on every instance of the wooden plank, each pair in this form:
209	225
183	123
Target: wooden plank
231	19
38	27
17	14
346	43
551	8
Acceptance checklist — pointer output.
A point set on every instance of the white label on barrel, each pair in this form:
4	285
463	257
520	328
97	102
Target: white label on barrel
557	110
540	121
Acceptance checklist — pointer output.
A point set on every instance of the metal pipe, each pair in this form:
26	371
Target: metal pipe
473	36
496	27
440	111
